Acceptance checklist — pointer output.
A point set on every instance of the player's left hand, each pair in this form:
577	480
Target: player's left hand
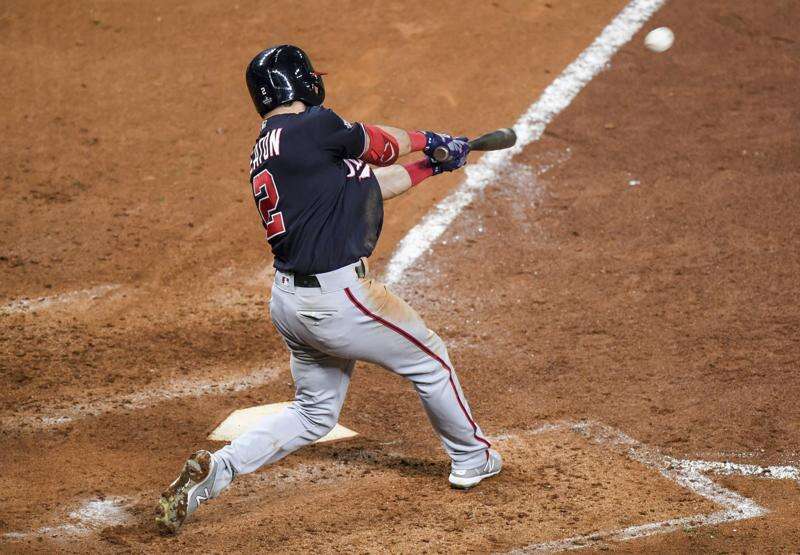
434	140
458	148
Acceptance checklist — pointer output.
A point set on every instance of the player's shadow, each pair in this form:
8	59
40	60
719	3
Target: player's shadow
376	457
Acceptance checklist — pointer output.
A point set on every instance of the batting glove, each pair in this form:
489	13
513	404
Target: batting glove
458	149
434	141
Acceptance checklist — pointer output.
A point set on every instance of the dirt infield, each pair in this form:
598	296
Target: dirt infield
635	272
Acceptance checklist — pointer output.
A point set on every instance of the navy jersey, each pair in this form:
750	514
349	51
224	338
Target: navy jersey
320	205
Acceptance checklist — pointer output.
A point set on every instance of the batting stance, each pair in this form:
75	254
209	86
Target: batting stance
321	205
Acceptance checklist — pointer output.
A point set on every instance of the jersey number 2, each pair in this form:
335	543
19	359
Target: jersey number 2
267	197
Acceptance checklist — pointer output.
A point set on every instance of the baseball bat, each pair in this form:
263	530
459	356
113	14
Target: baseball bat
494	140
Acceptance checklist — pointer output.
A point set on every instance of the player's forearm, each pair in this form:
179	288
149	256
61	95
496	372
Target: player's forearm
407	141
393	181
397	179
384	144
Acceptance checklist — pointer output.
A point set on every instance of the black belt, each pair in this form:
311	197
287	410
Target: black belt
302	280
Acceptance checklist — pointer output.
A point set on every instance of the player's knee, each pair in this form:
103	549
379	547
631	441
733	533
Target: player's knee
320	417
322	424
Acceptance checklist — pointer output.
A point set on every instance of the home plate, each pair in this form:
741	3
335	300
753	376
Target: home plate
243	420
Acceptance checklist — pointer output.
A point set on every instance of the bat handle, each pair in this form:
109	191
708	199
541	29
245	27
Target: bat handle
441	154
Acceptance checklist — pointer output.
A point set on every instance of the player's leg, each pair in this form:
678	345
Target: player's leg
321	383
385	330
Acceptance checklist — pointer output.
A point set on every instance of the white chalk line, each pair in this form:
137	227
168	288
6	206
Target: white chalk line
726	468
94	515
46	418
529	128
91	516
32	305
789	457
688	474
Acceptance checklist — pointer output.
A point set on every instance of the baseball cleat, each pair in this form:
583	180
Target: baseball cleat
194	485
469	477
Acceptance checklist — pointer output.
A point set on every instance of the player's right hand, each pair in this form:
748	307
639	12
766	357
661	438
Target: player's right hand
458	148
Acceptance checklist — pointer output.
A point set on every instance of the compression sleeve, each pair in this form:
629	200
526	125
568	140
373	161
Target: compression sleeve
383	149
418	140
419	170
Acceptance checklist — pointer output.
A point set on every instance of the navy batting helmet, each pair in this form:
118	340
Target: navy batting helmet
282	74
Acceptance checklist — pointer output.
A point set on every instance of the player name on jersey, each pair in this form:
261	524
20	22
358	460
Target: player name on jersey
266	147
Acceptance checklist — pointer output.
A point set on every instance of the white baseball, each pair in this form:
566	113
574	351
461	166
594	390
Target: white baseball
659	40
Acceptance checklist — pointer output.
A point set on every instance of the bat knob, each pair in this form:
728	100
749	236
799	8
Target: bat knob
441	154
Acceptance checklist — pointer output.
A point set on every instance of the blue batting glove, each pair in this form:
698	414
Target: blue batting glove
434	141
458	149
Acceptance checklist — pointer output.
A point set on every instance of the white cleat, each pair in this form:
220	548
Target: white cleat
194	485
470	477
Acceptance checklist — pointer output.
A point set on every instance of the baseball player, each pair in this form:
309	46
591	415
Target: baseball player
321	204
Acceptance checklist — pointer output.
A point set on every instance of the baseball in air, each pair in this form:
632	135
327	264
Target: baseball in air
659	40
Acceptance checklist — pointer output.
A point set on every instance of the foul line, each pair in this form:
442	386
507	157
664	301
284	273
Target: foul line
688	474
46	418
529	128
30	305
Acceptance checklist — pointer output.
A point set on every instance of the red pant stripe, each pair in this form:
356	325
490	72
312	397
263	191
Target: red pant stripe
427	351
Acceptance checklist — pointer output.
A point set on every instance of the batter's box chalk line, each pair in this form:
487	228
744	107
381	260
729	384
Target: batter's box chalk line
32	305
690	475
94	515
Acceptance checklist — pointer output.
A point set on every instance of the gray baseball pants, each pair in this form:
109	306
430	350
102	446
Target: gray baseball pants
326	330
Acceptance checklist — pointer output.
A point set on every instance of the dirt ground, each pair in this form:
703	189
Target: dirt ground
647	280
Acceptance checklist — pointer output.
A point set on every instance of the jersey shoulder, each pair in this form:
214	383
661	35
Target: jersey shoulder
325	121
337	136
